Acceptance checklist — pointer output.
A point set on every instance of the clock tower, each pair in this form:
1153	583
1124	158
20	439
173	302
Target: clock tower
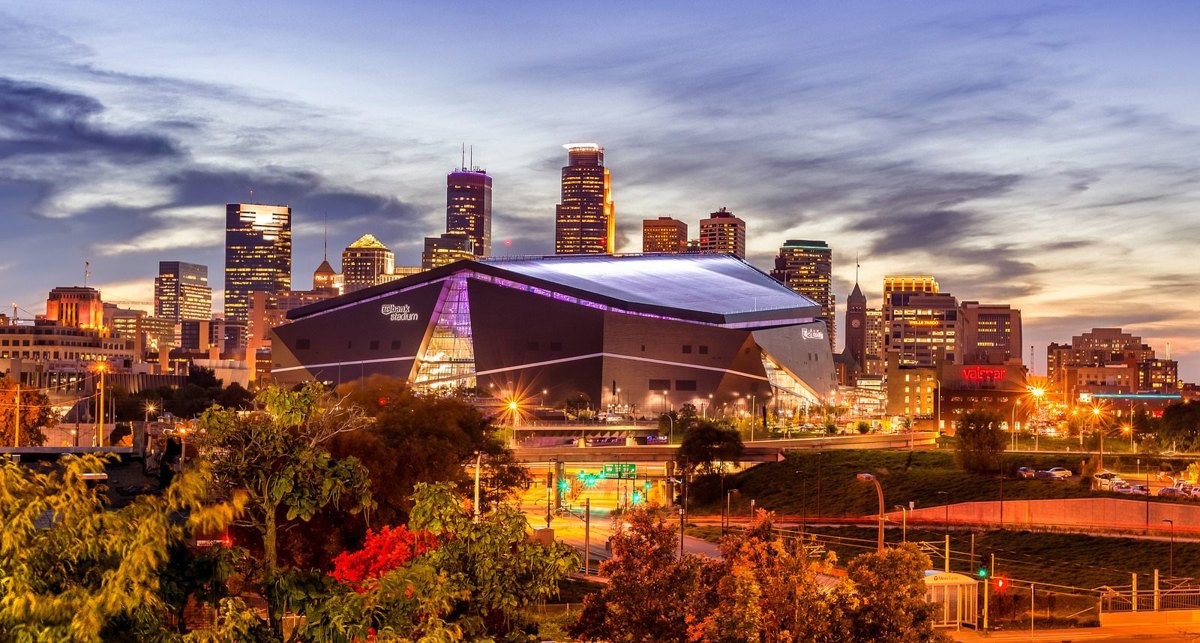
856	326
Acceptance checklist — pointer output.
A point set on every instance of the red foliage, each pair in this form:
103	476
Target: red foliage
382	552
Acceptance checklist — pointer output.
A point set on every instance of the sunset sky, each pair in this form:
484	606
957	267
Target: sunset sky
1038	154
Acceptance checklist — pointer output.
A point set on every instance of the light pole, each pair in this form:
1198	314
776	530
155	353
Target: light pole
478	461
664	401
866	477
946	506
937	406
671	437
904	524
1128	429
1171	568
1096	420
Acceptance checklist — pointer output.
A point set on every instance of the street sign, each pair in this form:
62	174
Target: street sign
623	471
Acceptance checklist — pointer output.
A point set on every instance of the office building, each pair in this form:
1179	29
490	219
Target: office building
991	333
723	233
364	261
664	234
1108	361
806	267
75	307
875	351
181	291
327	280
921	324
148	333
648	331
584	222
446	249
258	254
469	207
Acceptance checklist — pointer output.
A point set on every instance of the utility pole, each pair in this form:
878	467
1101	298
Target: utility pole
100	407
478	458
587	535
17	415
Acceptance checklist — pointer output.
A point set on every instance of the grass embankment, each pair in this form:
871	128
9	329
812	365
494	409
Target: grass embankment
1061	559
824	483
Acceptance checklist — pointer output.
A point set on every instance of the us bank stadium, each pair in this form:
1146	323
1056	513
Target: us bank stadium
644	332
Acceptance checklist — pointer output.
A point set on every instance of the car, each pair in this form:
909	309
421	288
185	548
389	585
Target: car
1140	490
1195	493
1046	475
1061	472
1107	479
1169	492
1122	487
1026	472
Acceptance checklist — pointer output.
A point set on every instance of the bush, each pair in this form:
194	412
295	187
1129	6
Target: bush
863	427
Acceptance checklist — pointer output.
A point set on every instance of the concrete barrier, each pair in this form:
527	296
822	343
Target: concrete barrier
1067	514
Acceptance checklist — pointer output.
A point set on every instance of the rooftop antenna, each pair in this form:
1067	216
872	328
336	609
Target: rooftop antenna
857	265
252	195
87	272
462	164
1168	350
326	253
472	157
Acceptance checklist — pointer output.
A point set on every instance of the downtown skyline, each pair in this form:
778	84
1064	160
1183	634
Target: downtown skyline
1040	156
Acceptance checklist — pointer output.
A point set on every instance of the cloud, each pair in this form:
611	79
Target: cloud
38	119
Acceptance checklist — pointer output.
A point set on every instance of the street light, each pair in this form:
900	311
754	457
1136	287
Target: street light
102	368
946	506
904	517
1037	392
866	477
1096	420
150	408
1171	570
1128	429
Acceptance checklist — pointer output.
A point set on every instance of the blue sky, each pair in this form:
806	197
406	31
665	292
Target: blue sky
1028	153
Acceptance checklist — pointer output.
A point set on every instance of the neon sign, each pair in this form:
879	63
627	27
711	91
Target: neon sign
401	313
982	374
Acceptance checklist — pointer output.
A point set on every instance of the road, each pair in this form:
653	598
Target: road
1175	633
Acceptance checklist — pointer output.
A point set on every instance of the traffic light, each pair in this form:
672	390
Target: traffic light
549	479
982	573
564	485
637	497
1001	584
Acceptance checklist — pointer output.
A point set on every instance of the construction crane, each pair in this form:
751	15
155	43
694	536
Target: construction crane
16	317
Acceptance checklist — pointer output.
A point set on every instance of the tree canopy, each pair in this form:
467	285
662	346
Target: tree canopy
36	412
980	441
706	446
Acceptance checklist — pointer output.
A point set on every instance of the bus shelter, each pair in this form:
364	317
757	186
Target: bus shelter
955	597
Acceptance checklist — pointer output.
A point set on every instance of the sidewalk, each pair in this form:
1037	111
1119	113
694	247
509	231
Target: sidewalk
1173	633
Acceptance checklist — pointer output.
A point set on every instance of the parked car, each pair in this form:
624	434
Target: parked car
1140	490
1061	472
1122	487
1107	479
1047	475
1169	492
1194	493
1026	472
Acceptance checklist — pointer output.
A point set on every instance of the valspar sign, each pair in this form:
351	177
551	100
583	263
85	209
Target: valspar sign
401	313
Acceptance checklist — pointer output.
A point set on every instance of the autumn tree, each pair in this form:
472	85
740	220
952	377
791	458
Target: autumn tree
35	410
889	597
73	571
980	441
473	585
276	456
652	595
706	446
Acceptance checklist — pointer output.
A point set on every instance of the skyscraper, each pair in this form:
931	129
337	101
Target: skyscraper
258	254
805	266
364	261
469	207
991	333
664	234
723	233
446	249
181	291
584	222
76	306
921	325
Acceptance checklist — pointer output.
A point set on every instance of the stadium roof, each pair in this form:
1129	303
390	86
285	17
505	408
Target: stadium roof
720	289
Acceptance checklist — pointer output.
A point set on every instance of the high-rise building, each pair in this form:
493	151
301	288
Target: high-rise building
876	355
327	280
921	325
664	234
584	222
446	249
723	233
469	207
364	261
991	333
181	291
806	267
76	307
258	254
1072	365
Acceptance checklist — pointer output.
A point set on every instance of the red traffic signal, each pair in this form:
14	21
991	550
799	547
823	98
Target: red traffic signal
1001	584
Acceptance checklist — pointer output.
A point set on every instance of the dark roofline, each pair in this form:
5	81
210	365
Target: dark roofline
494	268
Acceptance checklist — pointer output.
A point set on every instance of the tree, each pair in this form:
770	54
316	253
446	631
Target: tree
276	456
474	585
382	551
651	594
889	591
707	446
73	571
36	412
979	441
769	592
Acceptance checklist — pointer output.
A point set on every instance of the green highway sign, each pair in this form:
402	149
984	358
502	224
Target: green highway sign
620	471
